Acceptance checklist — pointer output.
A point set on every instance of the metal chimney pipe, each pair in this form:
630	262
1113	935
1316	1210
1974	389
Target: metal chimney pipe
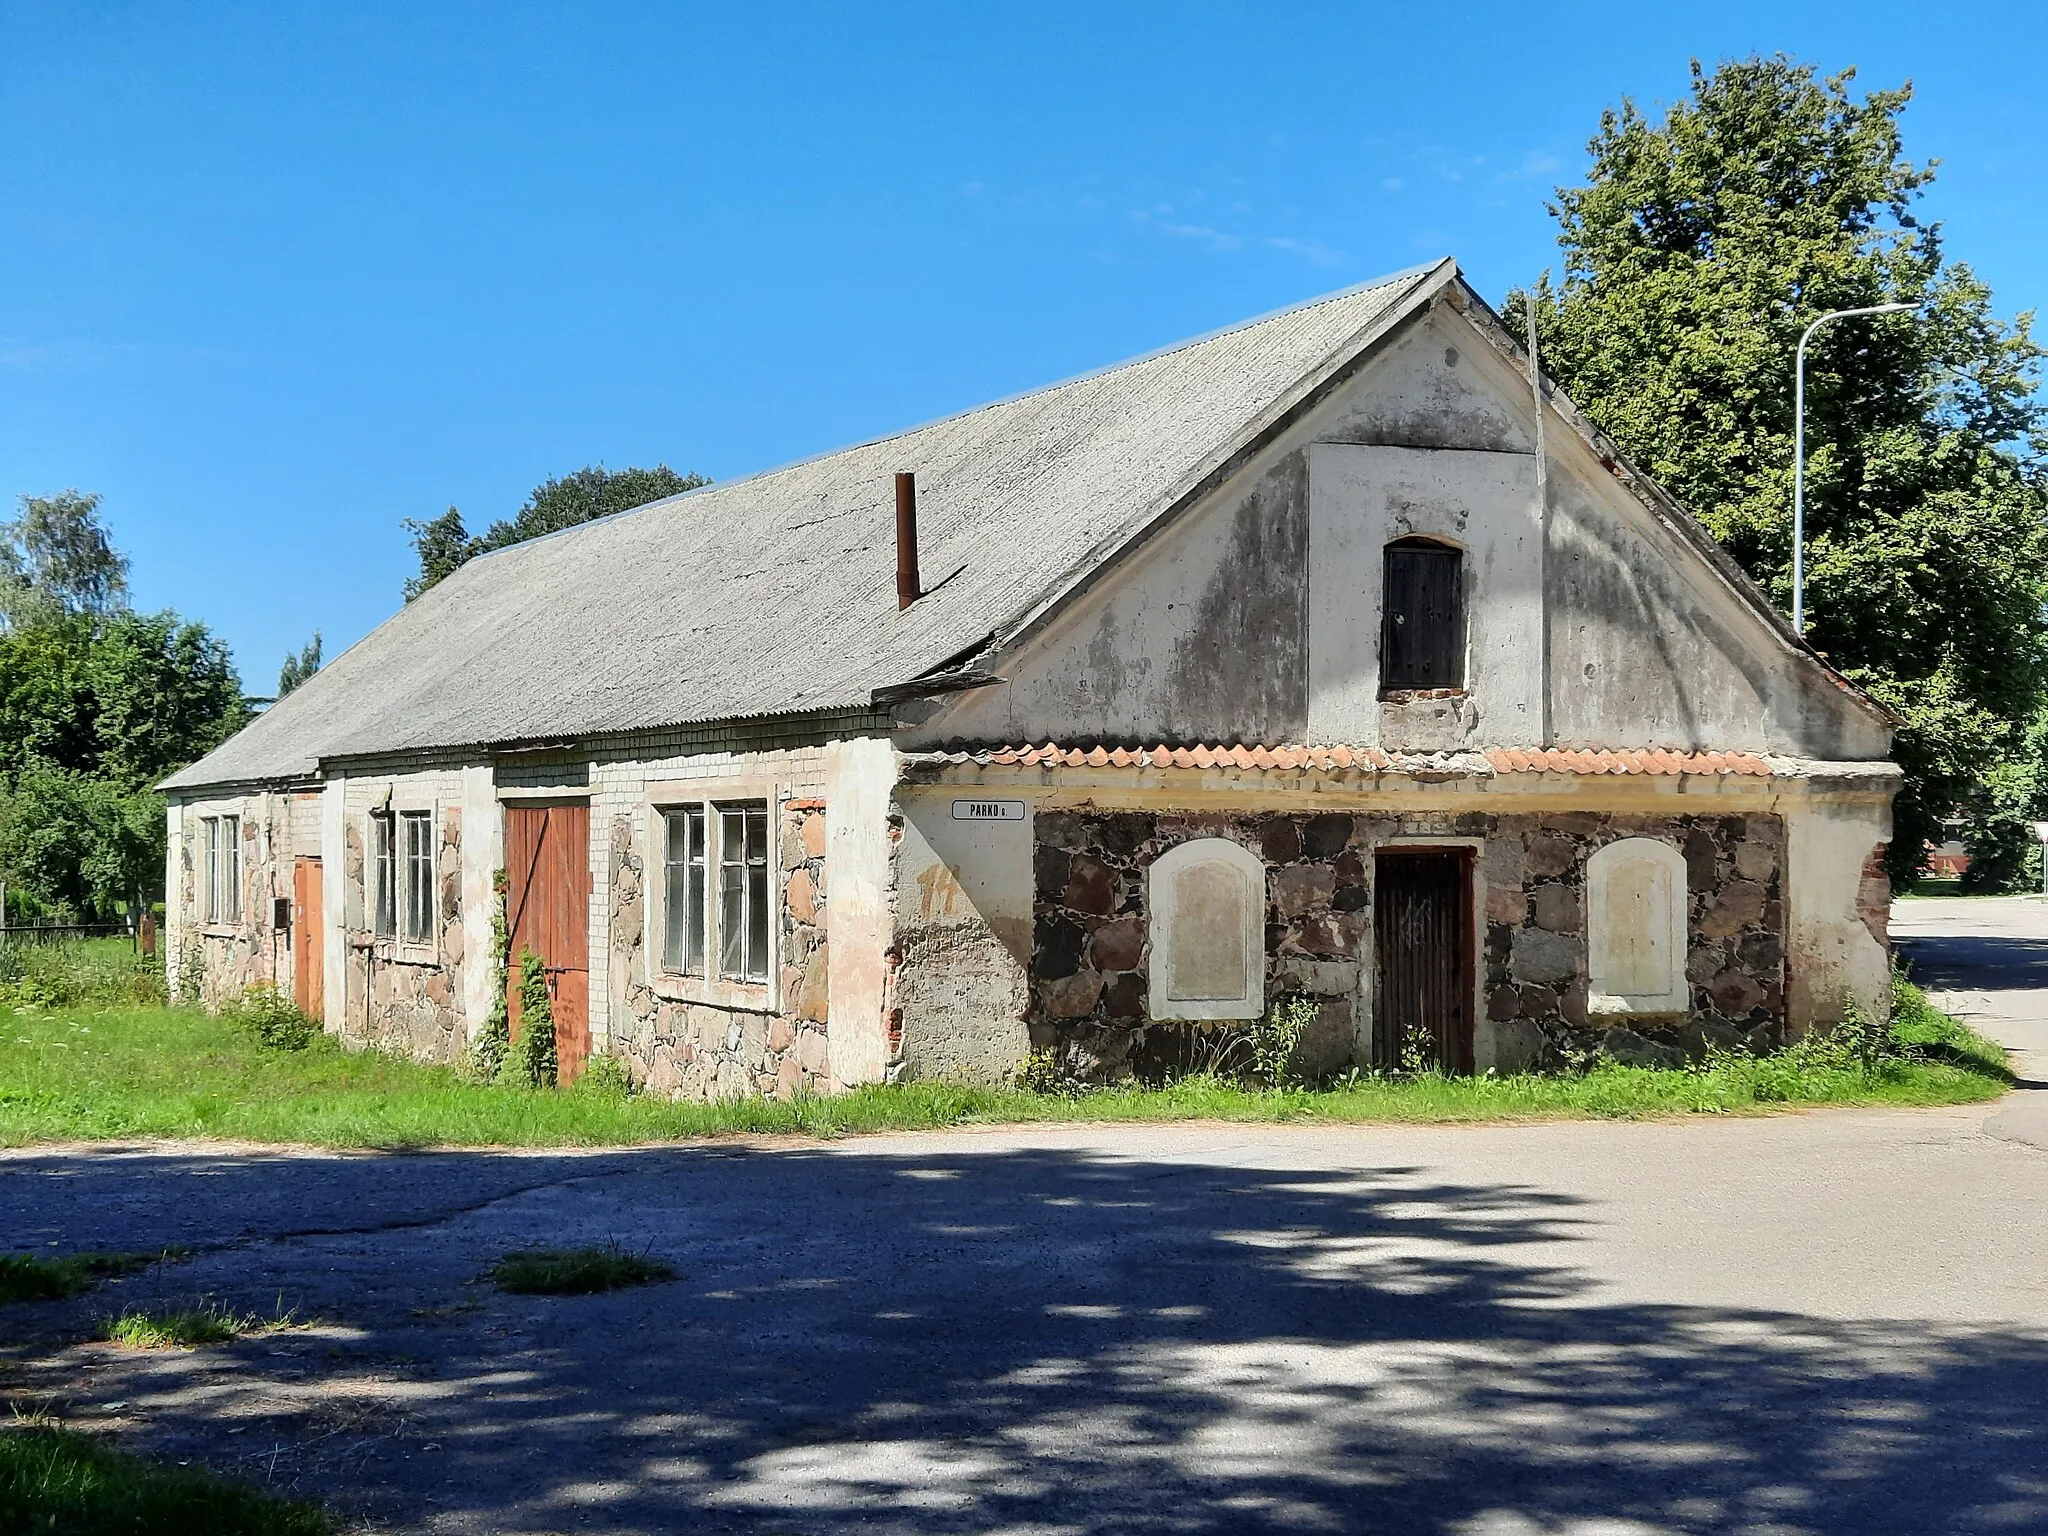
908	590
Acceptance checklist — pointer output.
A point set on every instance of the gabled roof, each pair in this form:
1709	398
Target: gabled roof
776	594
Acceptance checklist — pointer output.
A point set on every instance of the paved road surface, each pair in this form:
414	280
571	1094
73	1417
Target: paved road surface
1830	1322
1985	959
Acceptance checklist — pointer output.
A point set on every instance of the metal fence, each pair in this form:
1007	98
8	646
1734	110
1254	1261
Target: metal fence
34	933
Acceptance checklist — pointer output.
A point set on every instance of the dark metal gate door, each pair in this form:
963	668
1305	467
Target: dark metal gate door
547	910
1422	916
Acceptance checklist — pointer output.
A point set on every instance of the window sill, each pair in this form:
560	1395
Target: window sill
742	996
219	931
1609	1005
391	952
1419	695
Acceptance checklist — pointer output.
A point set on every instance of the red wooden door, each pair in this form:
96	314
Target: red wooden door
547	908
1422	917
309	971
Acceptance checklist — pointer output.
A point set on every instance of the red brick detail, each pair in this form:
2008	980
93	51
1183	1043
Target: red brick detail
1874	896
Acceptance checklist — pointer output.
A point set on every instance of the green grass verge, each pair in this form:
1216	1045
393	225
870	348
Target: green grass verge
576	1271
35	1277
95	1076
57	1482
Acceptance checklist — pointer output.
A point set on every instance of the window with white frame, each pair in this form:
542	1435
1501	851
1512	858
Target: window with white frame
416	849
383	876
718	930
223	894
685	834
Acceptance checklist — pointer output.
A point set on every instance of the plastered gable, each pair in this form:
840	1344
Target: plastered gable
1212	629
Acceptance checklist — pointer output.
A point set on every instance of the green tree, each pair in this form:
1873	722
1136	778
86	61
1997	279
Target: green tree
81	845
444	545
56	558
1698	249
97	704
300	666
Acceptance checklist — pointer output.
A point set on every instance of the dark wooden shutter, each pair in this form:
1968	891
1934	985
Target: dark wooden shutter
1422	633
1423	934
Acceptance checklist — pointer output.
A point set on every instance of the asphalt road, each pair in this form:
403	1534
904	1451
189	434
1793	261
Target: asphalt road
1824	1322
1985	959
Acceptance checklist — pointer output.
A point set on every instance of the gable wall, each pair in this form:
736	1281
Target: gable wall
1256	616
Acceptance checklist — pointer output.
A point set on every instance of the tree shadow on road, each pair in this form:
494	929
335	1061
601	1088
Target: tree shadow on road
1053	1339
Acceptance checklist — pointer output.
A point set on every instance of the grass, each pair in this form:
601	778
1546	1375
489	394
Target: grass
94	1075
576	1271
33	1277
193	1327
57	1482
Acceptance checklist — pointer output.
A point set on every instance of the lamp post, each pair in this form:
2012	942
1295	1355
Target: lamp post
1799	453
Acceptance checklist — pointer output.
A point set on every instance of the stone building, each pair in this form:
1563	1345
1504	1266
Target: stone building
1307	659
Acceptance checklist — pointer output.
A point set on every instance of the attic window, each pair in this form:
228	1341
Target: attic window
1422	631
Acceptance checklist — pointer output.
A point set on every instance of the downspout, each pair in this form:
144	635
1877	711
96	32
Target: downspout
1542	521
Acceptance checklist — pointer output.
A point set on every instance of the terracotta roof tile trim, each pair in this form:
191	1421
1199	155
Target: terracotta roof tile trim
1494	759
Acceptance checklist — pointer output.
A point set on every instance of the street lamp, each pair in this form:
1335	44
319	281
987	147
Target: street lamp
1799	454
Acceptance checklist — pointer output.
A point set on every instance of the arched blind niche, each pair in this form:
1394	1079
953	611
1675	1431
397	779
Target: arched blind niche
1635	928
1207	904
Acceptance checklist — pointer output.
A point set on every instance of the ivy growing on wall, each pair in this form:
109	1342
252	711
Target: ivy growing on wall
532	1061
492	1048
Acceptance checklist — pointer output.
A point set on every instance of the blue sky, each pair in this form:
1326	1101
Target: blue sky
273	278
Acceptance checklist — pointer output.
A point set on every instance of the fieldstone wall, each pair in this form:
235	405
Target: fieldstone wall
228	958
1090	952
1534	869
413	992
697	1050
1091	949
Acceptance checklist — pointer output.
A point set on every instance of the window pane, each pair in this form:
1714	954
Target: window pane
675	892
757	895
383	904
419	876
210	872
231	864
693	955
731	919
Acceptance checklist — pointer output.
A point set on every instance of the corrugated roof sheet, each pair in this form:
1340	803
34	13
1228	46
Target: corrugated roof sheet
776	594
1339	759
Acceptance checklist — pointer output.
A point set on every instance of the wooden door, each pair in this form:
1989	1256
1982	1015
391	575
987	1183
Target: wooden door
547	909
1422	918
309	947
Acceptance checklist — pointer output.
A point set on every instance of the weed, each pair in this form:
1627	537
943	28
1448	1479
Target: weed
205	1322
1056	1072
576	1271
1276	1038
33	1277
272	1017
605	1077
56	1480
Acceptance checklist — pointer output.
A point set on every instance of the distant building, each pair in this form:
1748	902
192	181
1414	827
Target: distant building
1271	665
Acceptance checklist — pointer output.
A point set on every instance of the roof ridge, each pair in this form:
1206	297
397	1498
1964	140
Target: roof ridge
1406	274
